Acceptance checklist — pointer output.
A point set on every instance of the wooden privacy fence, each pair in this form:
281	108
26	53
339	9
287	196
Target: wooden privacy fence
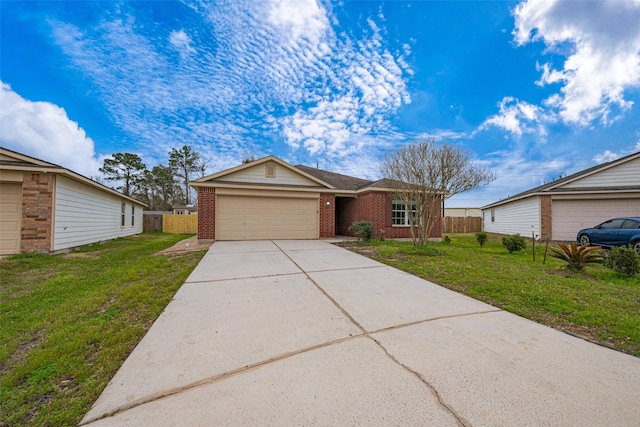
180	224
457	224
151	223
170	223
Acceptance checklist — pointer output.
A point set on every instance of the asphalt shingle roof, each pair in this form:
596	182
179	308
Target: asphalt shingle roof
341	182
550	186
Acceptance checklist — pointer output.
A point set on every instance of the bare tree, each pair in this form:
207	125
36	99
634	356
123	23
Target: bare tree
184	161
424	174
248	157
203	164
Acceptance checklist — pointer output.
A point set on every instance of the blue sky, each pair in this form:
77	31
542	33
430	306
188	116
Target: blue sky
532	89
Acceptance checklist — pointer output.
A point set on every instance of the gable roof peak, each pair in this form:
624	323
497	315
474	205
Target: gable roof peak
258	162
555	183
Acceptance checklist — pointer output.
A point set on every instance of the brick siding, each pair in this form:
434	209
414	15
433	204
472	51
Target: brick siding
545	218
376	207
327	215
37	212
346	209
334	218
206	213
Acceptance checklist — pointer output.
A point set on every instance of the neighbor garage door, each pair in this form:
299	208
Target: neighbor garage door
257	218
10	217
570	216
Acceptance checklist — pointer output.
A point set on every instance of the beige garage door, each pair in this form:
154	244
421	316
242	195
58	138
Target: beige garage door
258	218
570	216
10	217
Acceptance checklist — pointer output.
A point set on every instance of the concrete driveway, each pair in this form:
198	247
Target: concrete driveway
306	333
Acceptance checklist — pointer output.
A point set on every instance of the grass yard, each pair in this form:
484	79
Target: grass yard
68	321
601	305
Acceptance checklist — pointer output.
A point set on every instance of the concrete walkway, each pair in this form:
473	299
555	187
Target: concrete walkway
290	333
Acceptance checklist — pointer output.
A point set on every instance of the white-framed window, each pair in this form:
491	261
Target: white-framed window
400	214
133	215
493	215
123	211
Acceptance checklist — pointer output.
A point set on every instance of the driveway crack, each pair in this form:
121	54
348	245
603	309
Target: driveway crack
213	379
461	421
329	297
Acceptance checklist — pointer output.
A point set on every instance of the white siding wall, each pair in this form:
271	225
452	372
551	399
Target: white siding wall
520	216
622	175
84	215
256	175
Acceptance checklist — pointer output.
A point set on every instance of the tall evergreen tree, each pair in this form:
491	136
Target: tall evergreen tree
127	168
166	187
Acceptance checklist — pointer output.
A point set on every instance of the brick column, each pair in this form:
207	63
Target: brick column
37	212
206	213
546	231
327	215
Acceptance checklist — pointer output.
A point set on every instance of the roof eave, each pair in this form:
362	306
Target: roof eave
198	182
51	168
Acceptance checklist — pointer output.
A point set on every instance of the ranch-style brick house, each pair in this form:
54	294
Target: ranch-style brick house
47	208
559	209
271	199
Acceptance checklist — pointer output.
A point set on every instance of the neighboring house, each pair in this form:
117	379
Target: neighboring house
559	209
184	210
271	199
47	208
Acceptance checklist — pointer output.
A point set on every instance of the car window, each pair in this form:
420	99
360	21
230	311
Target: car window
630	224
612	223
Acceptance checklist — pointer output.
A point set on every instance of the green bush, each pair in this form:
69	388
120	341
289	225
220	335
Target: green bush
623	259
514	243
481	237
362	229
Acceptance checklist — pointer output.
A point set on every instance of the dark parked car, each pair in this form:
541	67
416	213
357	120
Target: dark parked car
614	232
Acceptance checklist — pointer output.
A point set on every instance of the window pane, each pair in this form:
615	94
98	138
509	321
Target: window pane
614	223
400	215
397	213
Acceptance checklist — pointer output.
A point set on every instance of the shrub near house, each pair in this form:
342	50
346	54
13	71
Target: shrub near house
514	243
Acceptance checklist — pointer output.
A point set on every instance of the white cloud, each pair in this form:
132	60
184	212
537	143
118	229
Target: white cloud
517	117
182	42
274	70
366	85
603	39
303	19
607	156
515	172
44	131
157	102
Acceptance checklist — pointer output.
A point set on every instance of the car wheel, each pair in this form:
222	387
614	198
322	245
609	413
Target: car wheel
636	246
584	240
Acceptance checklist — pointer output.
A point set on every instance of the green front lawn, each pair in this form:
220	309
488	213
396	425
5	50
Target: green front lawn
68	321
601	305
